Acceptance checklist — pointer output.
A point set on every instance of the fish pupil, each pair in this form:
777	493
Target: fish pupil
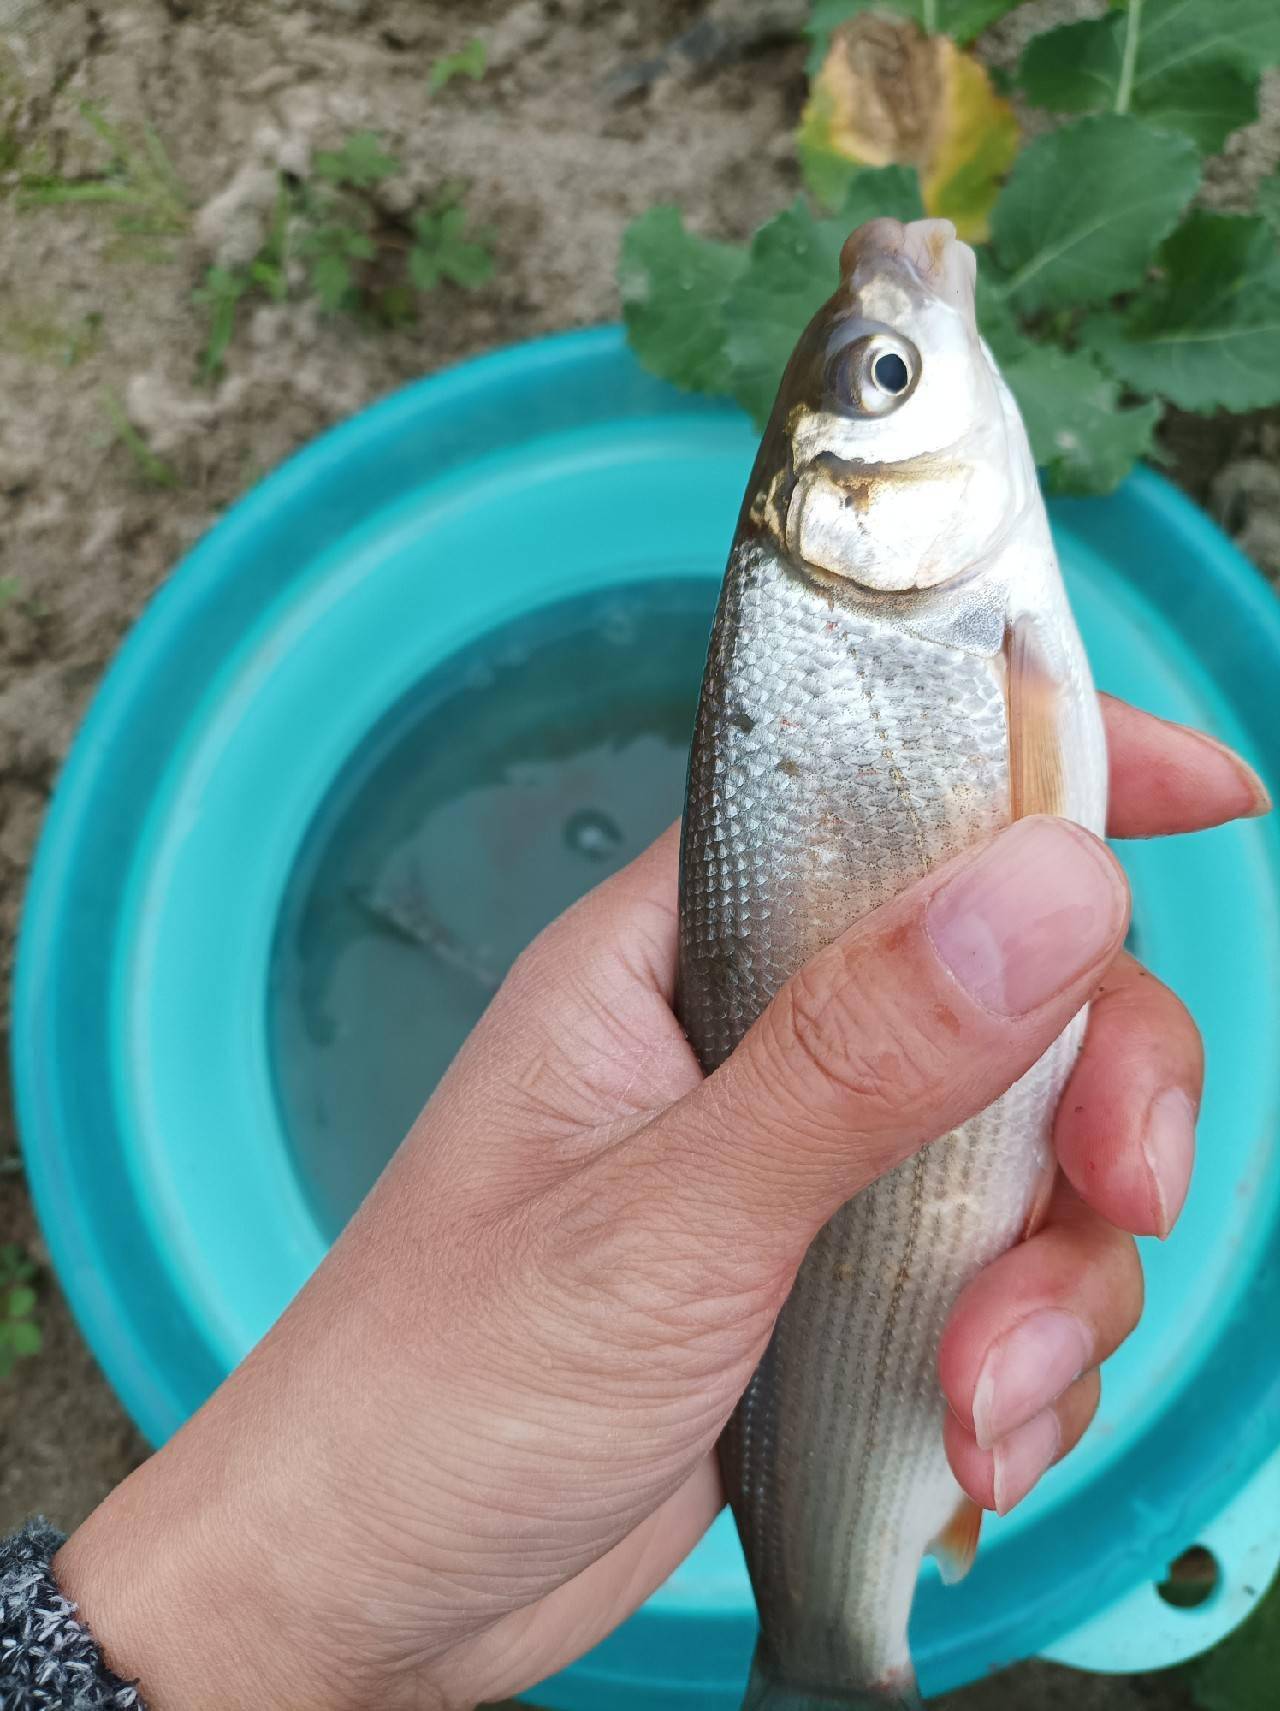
890	373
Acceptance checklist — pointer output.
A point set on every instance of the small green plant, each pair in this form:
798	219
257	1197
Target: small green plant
139	183
329	240
469	61
20	1334
151	469
10	589
358	165
442	250
1104	294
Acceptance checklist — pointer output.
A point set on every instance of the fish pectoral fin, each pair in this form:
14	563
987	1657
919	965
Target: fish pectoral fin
1037	777
957	1544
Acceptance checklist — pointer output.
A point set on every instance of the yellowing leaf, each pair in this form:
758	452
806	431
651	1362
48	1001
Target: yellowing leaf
977	140
886	94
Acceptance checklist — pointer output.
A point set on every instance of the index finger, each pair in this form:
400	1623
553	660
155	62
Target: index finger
1168	778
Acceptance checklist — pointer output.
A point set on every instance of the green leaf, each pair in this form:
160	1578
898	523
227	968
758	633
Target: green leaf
15	1264
25	1337
962	20
331	281
1079	436
792	268
1085	207
673	286
1268	199
424	268
220	295
1239	1674
1207	334
359	163
469	61
21	1302
996	320
271	278
1186	73
877	191
442	251
469	265
1207	104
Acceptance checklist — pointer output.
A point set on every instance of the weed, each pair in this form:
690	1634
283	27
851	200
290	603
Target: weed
469	61
20	1334
139	183
358	164
330	241
442	251
152	470
220	295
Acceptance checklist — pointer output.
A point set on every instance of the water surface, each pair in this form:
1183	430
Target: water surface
520	774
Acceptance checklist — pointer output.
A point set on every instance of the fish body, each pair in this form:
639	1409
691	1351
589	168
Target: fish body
893	674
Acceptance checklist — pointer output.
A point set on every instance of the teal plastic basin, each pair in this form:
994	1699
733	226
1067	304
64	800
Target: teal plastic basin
174	1204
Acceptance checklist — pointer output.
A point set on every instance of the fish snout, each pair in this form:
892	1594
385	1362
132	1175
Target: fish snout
924	254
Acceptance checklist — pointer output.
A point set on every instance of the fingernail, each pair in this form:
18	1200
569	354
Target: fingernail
1257	796
1022	1456
1032	913
1027	1369
1169	1147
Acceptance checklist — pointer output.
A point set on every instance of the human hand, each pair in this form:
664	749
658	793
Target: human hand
485	1430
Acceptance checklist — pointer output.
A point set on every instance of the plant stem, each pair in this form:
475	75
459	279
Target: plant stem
1132	27
930	17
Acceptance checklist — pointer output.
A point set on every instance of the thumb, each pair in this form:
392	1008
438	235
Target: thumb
914	1020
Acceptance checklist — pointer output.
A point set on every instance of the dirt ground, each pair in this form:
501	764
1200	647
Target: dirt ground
557	157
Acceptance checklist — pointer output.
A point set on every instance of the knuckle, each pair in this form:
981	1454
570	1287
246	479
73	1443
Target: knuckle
875	1059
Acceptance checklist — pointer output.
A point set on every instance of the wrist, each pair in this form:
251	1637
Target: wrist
187	1602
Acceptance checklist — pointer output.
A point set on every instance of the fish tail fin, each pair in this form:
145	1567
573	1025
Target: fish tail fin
767	1692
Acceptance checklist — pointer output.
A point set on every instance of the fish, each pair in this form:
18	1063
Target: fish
894	673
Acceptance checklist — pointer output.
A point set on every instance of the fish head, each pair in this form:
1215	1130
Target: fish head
895	457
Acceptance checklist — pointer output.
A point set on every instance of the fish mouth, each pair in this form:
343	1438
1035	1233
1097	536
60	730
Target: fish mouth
827	513
924	256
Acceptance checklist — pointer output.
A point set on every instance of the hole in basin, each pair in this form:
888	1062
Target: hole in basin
519	774
1192	1580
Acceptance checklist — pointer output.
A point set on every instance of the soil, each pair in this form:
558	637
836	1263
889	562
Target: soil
578	125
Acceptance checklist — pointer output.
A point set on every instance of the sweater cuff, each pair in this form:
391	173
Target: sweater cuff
48	1661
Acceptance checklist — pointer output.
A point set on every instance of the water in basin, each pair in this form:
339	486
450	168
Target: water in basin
519	774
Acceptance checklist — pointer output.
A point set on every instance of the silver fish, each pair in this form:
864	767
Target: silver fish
894	673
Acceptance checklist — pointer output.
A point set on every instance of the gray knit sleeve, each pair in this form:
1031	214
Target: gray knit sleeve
48	1662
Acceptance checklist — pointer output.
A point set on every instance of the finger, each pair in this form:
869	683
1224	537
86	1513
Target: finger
1028	1325
1000	1477
1125	1131
916	1018
1168	778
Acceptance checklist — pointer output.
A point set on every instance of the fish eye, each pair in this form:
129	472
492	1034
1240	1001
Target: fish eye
890	373
874	374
